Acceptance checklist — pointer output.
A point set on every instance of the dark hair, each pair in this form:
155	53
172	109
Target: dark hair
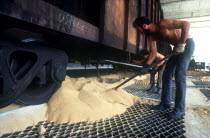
140	21
144	52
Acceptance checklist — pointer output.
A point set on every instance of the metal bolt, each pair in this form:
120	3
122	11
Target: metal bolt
60	74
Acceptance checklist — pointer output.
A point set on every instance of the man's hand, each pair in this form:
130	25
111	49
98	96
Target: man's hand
145	69
154	70
179	49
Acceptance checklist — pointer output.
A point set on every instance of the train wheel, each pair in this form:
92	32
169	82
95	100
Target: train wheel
30	74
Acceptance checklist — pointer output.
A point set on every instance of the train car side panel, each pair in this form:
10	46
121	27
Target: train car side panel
132	33
46	15
114	23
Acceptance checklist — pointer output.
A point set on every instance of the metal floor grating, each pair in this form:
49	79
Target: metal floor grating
201	83
137	121
140	91
206	93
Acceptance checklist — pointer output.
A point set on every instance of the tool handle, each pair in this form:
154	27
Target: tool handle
126	81
151	66
159	61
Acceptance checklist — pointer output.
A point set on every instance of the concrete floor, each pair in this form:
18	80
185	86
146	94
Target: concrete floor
197	118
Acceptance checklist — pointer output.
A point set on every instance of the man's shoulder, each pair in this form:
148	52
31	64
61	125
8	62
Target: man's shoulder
167	22
164	21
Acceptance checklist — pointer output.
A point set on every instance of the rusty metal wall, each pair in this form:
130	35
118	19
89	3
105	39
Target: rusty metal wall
119	15
132	33
43	14
153	11
149	9
143	12
114	23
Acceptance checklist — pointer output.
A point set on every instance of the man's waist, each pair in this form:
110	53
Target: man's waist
188	39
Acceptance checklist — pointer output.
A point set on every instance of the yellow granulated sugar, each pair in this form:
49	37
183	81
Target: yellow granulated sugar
84	99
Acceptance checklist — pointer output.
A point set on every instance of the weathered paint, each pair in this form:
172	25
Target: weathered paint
44	14
132	33
144	12
114	23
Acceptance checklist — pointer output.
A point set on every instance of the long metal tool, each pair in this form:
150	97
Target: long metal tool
151	66
125	64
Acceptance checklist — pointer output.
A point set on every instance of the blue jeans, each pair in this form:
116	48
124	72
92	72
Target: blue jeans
177	65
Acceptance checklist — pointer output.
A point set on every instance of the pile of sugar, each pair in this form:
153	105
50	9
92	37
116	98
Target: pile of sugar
10	107
86	99
18	119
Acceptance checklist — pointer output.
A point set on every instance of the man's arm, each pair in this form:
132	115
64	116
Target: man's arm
176	24
153	51
159	57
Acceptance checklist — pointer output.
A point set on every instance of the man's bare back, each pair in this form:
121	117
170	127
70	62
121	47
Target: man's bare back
167	31
159	57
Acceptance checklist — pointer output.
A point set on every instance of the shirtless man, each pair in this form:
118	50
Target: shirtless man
144	54
176	33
